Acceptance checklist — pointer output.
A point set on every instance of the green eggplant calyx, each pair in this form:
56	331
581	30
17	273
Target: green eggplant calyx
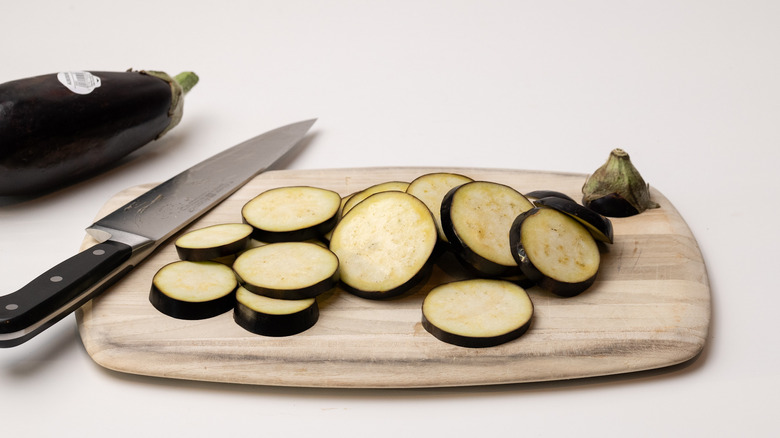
186	80
180	85
618	178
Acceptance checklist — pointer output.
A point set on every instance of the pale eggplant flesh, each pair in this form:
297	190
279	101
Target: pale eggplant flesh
213	242
598	225
477	313
555	251
294	213
385	245
483	248
287	270
193	290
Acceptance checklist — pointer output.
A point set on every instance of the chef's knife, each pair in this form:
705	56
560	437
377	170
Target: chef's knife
130	233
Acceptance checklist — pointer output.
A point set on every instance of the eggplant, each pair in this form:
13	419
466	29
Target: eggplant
287	270
214	242
193	290
339	214
431	189
617	189
274	317
555	251
476	218
599	226
385	245
294	213
539	194
389	186
477	313
58	129
612	205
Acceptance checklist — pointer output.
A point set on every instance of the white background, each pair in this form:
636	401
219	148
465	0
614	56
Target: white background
691	89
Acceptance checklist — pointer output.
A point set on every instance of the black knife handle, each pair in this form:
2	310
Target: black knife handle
50	297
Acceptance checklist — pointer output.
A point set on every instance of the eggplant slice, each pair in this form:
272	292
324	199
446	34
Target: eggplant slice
287	270
539	194
555	250
213	242
295	213
477	313
274	317
431	189
389	186
384	245
339	215
476	217
599	226
193	290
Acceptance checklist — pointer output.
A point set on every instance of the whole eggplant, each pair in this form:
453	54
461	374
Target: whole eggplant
57	129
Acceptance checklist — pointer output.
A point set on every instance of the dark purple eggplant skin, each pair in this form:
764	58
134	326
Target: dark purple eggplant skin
191	310
303	293
51	137
612	205
206	254
314	232
473	342
276	325
539	194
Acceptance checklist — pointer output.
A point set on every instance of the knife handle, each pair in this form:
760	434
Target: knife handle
58	291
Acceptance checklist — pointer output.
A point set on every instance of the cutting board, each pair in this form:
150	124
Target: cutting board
649	308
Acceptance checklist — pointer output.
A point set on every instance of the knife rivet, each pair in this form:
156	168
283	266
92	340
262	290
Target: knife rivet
98	252
55	279
11	307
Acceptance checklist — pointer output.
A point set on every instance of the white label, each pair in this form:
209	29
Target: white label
79	82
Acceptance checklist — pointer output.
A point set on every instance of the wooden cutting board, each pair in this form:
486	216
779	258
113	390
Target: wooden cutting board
649	308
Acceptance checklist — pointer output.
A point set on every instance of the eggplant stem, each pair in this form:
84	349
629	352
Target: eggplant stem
186	80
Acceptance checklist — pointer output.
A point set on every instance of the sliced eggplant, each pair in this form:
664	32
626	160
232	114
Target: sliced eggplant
477	313
389	186
287	270
431	189
476	218
539	194
599	226
193	290
555	250
57	129
340	213
294	213
384	245
213	242
274	317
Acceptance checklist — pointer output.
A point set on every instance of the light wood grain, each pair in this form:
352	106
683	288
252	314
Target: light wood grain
649	308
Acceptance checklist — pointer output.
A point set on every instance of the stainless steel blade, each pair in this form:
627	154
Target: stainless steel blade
167	208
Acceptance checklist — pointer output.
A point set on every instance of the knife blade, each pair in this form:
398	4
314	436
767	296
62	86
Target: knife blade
132	232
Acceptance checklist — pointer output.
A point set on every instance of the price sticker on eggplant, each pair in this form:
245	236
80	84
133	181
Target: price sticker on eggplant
79	82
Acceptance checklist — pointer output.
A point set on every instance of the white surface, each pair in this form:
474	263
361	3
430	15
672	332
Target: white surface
689	88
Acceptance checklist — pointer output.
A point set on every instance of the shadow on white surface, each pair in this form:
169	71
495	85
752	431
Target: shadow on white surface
33	358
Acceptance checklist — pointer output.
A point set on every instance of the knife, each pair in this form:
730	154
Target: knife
132	232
